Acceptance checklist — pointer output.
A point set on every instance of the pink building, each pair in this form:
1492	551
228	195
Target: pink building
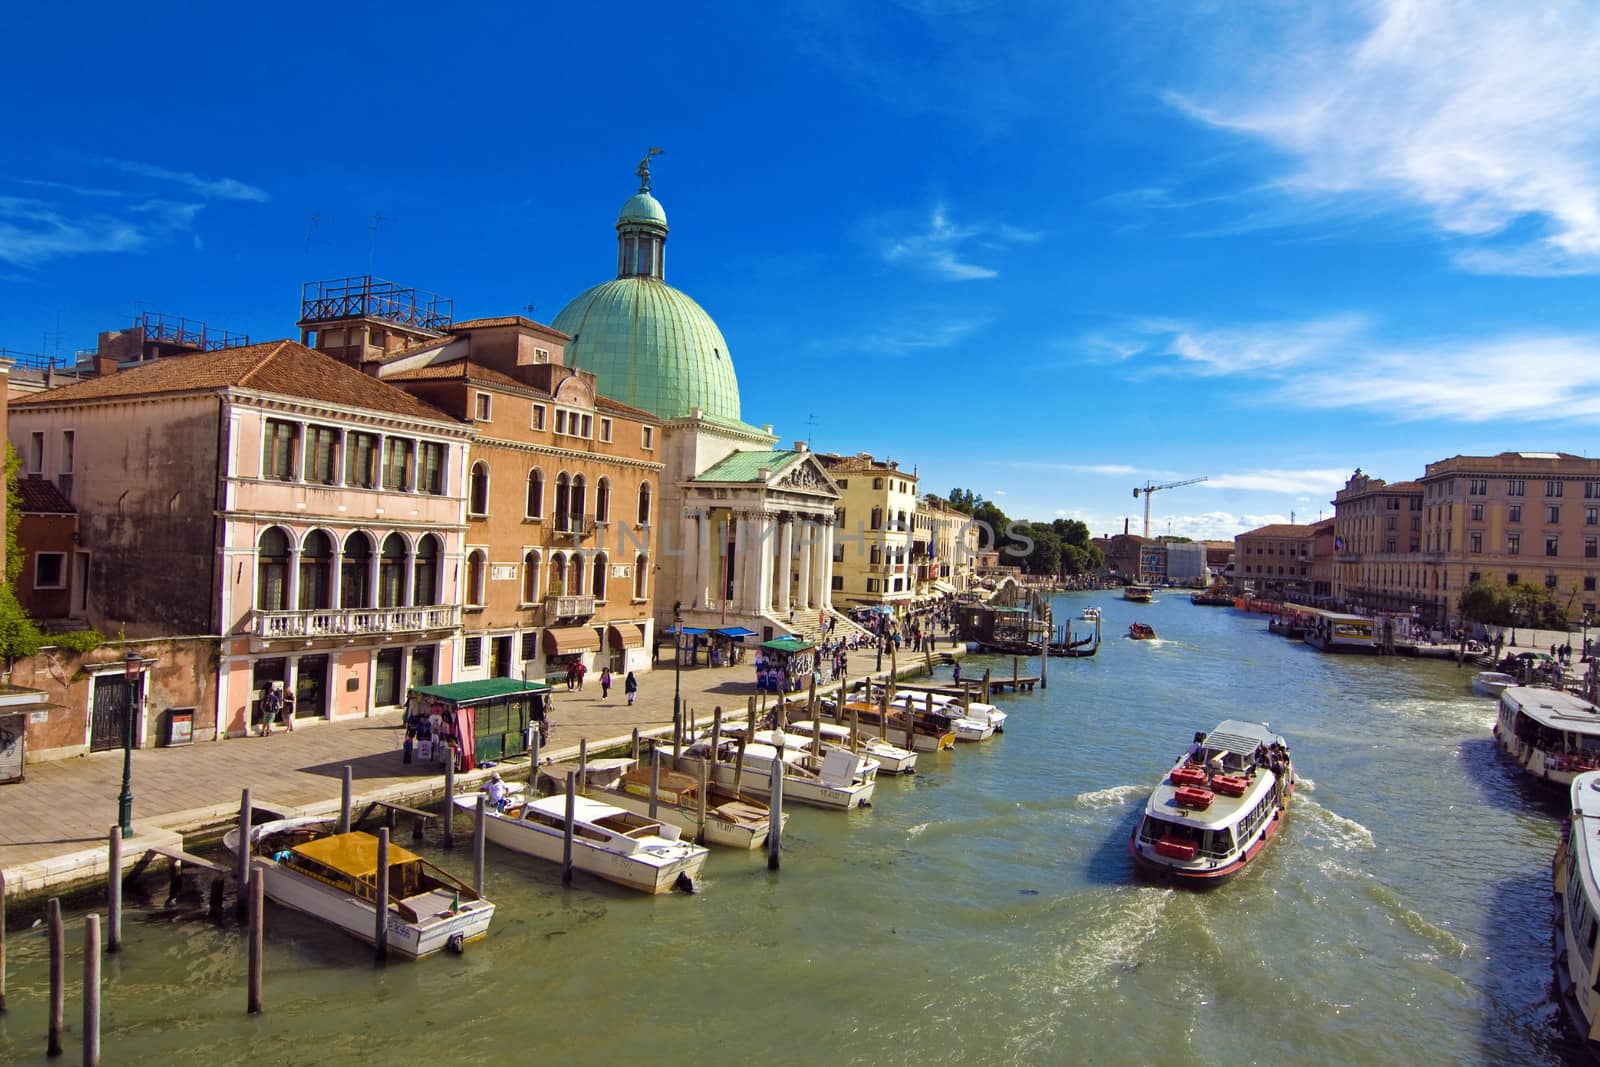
301	518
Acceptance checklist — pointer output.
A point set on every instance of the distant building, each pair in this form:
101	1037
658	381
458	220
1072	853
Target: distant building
1378	544
1124	553
873	552
1288	560
1186	562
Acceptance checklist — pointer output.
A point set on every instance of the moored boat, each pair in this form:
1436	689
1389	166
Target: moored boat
831	782
1492	683
1552	735
929	733
333	877
891	758
608	842
732	820
1217	807
1575	877
972	721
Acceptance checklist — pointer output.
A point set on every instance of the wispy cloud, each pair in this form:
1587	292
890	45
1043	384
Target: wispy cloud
1485	115
910	335
1342	363
209	188
1077	468
1268	480
945	249
32	232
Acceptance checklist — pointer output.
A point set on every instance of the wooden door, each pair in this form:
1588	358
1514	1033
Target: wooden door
110	714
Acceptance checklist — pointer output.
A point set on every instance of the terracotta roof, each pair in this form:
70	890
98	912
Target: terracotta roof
617	407
284	367
505	320
1280	529
41	497
853	464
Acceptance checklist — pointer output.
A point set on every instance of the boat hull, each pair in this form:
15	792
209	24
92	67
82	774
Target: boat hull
757	781
720	831
629	871
1161	869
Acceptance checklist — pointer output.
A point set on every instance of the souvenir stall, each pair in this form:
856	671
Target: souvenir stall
727	645
485	720
690	640
784	664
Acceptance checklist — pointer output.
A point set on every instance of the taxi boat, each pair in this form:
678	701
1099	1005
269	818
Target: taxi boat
1141	631
333	877
1216	809
1552	735
731	820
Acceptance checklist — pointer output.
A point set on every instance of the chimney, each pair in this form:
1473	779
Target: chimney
802	446
104	366
1124	527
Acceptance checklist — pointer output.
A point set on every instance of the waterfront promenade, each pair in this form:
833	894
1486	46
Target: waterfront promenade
55	824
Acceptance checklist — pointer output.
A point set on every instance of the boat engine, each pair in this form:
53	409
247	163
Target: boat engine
457	943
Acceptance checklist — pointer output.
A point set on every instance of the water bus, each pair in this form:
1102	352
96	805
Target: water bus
1552	735
1333	631
1217	808
1139	594
1575	874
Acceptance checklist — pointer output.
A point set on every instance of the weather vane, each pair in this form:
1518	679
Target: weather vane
644	170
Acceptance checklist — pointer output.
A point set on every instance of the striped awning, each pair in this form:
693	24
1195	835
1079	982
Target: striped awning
560	640
626	635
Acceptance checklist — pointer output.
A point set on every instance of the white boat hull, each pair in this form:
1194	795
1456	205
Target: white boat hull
757	781
719	831
648	873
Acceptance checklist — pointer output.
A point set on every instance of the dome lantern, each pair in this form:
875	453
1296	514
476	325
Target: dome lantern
642	230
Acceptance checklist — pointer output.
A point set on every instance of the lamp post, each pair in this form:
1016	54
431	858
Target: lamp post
677	667
130	668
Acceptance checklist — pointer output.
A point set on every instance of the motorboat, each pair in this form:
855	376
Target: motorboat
969	726
1139	594
1553	735
929	733
1142	632
608	842
830	781
732	820
307	866
1217	808
1493	683
1089	614
1575	875
891	758
865	767
951	705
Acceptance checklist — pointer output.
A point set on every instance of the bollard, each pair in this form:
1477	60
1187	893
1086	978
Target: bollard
380	931
655	781
258	907
58	950
450	797
566	828
775	812
244	852
91	991
583	766
477	845
114	892
346	797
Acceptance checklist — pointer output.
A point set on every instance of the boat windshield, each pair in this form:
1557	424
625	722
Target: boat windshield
1216	843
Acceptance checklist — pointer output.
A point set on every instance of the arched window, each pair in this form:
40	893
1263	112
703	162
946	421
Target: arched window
392	572
478	490
877	518
316	571
602	500
644	503
272	570
535	494
355	574
597	584
576	509
477	577
530	578
563	500
575	574
557	585
641	571
425	572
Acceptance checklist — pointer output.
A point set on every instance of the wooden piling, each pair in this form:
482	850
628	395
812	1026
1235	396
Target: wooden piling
258	907
380	929
583	766
245	851
567	827
91	990
214	905
450	797
987	674
855	729
2	942
346	798
114	891
174	881
58	949
750	718
655	781
716	739
533	764
705	787
636	745
775	813
883	713
738	768
477	844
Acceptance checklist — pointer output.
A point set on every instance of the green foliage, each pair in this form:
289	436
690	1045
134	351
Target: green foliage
20	636
1517	605
13	516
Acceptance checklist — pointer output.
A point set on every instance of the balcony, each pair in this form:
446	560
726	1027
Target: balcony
576	529
568	607
353	622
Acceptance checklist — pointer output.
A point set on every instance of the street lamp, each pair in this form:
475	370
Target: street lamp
677	668
130	668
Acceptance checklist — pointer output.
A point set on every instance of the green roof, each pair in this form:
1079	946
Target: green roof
736	424
483	689
787	644
746	466
642	207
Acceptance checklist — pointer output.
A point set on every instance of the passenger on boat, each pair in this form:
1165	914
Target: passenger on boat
495	792
1198	748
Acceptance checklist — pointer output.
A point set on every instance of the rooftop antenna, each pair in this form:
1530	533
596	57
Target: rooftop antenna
811	432
311	229
528	307
372	240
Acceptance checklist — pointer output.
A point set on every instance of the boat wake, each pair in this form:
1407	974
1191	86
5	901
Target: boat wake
916	830
1114	796
1438	940
1334	829
1119	928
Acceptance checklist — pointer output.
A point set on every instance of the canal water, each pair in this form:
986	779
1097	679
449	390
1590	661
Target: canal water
984	911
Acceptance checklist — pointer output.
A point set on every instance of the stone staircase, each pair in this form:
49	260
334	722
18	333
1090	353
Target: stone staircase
808	626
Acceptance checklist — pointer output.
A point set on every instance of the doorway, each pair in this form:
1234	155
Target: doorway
500	657
311	688
109	716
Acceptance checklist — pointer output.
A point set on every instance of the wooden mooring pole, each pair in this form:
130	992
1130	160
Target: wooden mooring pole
2	942
567	827
380	912
91	990
58	950
258	907
482	819
738	768
533	764
583	766
636	745
346	798
775	812
450	796
244	853
114	891
655	780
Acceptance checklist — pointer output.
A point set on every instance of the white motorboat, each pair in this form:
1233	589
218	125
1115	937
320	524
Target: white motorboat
929	733
891	759
968	709
1552	735
731	820
333	877
866	768
608	842
966	727
831	782
1217	809
1576	881
1493	683
1090	614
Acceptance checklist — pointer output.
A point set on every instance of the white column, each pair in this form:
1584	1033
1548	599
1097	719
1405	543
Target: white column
766	531
705	551
336	593
808	547
825	567
743	546
785	563
689	562
292	592
407	594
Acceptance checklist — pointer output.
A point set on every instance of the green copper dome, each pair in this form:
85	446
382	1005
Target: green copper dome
643	207
651	346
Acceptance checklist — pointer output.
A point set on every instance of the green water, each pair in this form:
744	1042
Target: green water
983	911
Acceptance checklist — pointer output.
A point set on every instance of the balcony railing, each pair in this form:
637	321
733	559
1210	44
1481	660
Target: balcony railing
568	607
575	528
354	622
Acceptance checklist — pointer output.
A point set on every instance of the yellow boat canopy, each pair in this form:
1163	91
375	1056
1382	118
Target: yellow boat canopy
355	854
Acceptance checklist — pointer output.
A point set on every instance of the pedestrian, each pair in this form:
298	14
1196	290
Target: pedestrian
605	684
288	711
572	675
580	670
630	686
958	672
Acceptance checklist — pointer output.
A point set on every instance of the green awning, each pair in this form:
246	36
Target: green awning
483	689
786	644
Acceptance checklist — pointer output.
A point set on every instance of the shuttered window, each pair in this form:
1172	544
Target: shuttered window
322	455
360	460
277	458
397	454
430	470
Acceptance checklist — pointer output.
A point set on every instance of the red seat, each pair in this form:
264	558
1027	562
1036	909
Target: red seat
1172	848
1188	776
1230	784
1191	797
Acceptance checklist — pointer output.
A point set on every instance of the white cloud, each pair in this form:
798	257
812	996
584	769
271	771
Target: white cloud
209	188
912	335
33	232
946	250
1268	480
1485	115
1077	468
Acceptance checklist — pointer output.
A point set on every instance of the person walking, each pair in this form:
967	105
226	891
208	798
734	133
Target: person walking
288	710
630	686
605	684
580	670
572	676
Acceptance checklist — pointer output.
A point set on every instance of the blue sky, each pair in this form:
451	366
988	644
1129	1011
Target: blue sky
1046	251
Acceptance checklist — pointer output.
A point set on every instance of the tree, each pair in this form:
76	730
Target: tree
20	637
1517	605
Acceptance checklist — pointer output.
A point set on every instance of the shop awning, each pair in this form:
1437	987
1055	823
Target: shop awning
692	631
628	635
786	644
736	631
944	587
483	689
560	640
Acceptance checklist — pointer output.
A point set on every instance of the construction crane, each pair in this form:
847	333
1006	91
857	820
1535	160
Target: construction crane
1147	488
